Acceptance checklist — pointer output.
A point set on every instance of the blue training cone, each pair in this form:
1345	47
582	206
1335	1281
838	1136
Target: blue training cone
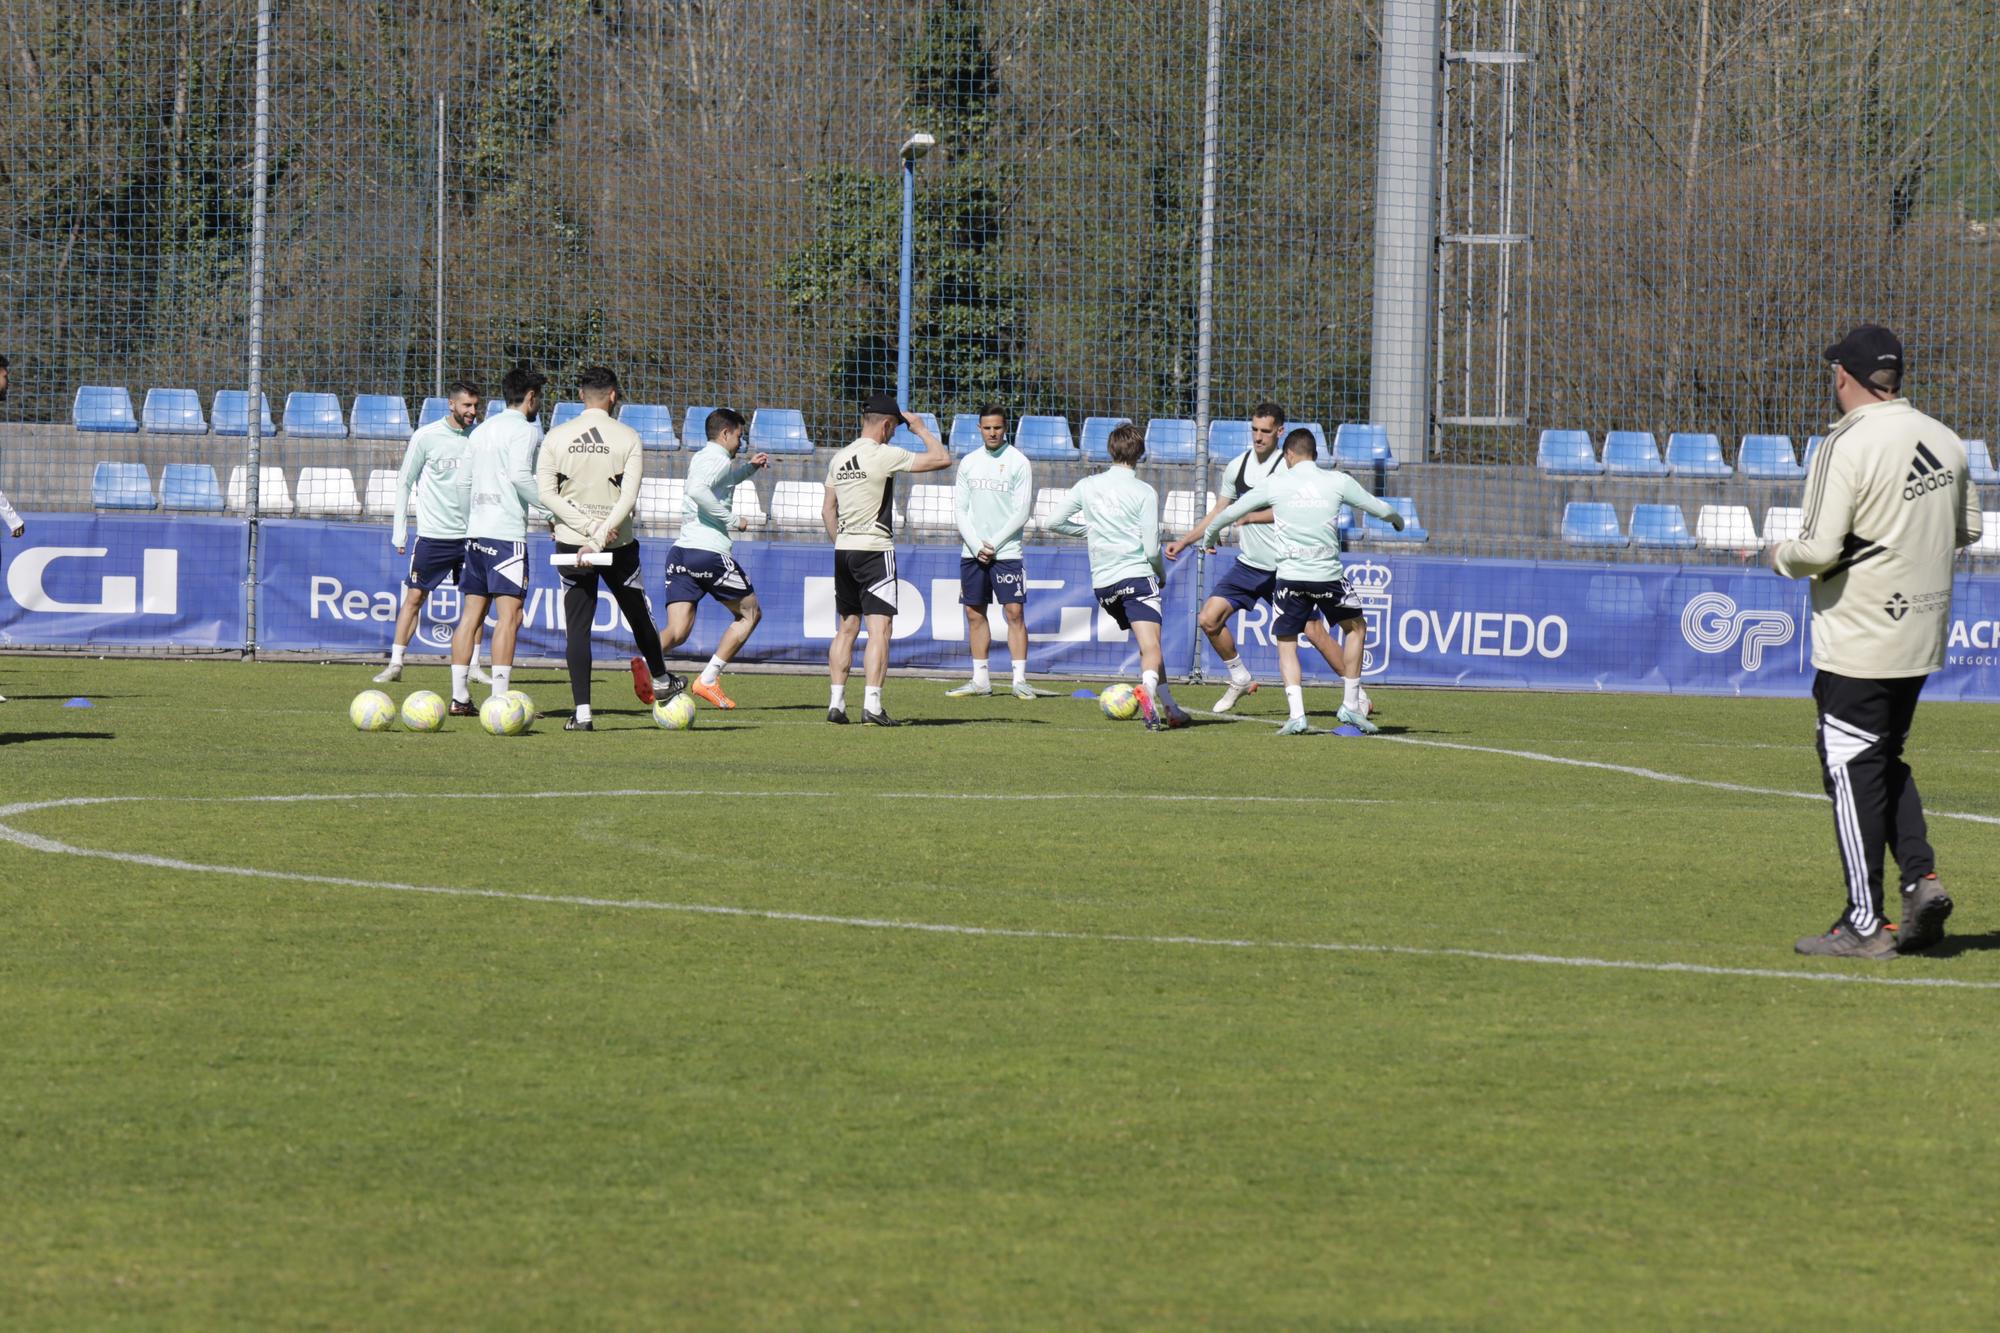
79	702
1345	730
1083	694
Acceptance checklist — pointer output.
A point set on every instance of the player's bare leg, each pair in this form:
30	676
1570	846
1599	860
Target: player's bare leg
1354	706
406	629
875	669
1156	697
839	661
1214	622
464	640
1293	676
1017	647
506	628
978	638
745	614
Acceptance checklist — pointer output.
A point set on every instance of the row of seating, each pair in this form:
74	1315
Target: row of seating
1664	527
1633	453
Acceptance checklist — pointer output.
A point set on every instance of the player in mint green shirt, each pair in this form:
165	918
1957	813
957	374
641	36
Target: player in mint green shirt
433	466
1312	589
1119	517
992	500
702	561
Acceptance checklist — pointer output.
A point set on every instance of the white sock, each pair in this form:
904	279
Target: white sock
980	673
501	676
461	693
1295	699
1350	693
1238	673
871	698
473	665
837	700
713	671
395	654
583	712
1020	673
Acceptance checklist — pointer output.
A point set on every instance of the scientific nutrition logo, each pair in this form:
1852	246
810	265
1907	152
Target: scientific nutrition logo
1711	622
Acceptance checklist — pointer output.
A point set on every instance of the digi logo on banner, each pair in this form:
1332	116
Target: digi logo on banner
1712	623
155	592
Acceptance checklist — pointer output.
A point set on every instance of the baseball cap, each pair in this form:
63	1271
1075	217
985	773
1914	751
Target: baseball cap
1867	349
882	403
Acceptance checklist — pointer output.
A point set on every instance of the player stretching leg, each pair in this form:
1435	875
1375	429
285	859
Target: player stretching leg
992	501
1312	586
1119	516
500	456
1253	577
702	562
433	466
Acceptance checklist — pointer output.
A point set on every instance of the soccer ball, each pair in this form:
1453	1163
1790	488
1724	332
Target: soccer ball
528	704
423	711
503	715
1120	703
371	710
677	713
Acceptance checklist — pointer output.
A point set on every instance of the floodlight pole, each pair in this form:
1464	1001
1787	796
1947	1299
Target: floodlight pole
1204	357
437	315
260	168
913	148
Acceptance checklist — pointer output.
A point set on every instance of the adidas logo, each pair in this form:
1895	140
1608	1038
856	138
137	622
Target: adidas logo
850	469
1927	474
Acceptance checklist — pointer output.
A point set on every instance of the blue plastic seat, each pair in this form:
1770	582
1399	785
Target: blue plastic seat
382	416
1980	463
1170	440
1097	431
1378	529
907	438
779	430
565	412
1661	527
1812	447
1567	453
1318	433
1363	446
122	486
432	409
1591	523
694	427
1227	440
231	413
190	486
1697	456
1632	453
654	423
1046	439
173	412
105	408
495	406
965	436
1768	458
314	416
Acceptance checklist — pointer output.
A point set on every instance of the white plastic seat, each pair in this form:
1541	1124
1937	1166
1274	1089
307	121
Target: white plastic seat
1049	500
381	497
1181	512
1783	524
1989	535
796	504
1725	528
274	496
329	492
747	506
932	510
661	500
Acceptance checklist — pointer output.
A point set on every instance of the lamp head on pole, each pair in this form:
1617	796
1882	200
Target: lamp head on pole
916	146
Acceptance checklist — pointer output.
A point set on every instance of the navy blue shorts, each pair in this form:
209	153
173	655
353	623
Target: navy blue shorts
494	569
1245	585
982	585
693	573
1131	600
1298	603
434	560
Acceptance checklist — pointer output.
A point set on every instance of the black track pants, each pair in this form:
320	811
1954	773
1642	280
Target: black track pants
1862	727
628	587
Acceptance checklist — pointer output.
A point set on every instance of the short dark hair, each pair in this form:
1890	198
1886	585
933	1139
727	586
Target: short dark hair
992	410
4	363
1268	409
457	387
722	419
1127	444
518	383
1302	443
597	379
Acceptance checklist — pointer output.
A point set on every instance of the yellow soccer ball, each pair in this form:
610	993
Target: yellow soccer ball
503	715
1119	702
371	710
423	711
527	703
677	713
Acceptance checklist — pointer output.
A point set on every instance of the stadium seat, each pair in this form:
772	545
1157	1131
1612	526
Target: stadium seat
796	504
661	504
1783	524
1325	458
1632	453
314	416
1096	431
931	509
907	438
654	423
1980	463
1357	445
1180	514
274	496
1725	528
104	408
381	416
432	409
1989	535
1589	523
565	412
173	412
1378	529
495	406
1227	440
1660	527
746	504
965	436
1170	440
1048	500
230	413
694	427
380	499
122	486
1046	439
190	487
1812	447
328	492
779	430
1696	456
1567	453
1768	458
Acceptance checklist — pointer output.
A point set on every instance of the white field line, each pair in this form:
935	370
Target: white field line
37	843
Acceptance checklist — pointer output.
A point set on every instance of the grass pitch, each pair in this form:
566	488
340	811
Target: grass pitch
256	1100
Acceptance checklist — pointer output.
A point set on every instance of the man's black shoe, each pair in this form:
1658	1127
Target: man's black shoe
881	719
1843	942
1925	907
837	715
667	686
578	724
463	708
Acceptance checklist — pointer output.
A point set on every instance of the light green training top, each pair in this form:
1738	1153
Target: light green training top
434	465
500	454
1305	503
1119	516
708	509
1259	546
992	498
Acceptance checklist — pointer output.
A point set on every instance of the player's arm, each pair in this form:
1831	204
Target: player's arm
1971	523
1829	517
1193	534
12	520
1353	495
1234	513
414	458
548	474
519	460
1150	543
1065	519
1022	499
829	512
628	493
961	508
935	457
701	494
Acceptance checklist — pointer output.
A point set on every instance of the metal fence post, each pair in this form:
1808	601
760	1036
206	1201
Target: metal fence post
259	207
1399	380
1204	362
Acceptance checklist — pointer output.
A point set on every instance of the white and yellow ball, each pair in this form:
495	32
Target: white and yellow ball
526	703
677	713
371	710
423	711
1119	702
503	715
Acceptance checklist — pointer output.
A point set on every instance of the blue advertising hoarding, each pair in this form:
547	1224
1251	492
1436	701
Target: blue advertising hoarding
121	582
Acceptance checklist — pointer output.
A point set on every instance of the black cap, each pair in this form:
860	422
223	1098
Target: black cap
1867	349
882	403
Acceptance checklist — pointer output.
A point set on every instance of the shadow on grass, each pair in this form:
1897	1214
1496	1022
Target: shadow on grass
65	698
1951	946
21	737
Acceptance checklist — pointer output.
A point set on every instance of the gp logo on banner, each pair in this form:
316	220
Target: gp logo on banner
1712	623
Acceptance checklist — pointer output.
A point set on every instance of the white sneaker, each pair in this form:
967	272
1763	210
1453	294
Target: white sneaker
1367	705
1358	720
478	675
968	689
1232	694
388	673
1023	690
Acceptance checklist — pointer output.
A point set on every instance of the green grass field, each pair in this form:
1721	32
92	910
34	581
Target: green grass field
1298	1061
